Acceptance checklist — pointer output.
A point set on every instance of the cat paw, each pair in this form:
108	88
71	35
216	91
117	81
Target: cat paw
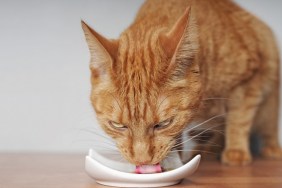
272	152
236	157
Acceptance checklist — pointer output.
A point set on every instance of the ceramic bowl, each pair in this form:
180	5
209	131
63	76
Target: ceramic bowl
110	172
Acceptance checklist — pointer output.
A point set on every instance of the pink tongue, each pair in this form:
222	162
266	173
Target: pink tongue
148	169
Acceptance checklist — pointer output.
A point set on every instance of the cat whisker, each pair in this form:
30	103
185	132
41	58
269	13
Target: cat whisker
179	138
117	153
115	156
200	136
192	150
108	151
95	140
212	118
101	143
216	98
97	134
181	143
206	143
168	157
104	146
214	130
122	159
210	145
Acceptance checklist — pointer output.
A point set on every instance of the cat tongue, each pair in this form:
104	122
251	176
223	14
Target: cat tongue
148	169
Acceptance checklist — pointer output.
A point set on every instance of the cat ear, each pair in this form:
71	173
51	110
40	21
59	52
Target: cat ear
102	50
180	44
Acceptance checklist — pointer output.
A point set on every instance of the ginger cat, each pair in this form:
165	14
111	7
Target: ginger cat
183	62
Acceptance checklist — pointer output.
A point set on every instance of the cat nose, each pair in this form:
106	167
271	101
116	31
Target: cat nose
142	159
143	162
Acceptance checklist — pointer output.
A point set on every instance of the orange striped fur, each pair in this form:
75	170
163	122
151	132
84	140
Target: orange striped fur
161	74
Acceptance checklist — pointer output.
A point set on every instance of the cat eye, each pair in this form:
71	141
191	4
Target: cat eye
163	124
117	125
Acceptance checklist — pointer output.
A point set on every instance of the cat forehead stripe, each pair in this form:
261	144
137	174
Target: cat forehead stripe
138	61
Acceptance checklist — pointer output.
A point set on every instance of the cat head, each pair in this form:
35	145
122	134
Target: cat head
145	86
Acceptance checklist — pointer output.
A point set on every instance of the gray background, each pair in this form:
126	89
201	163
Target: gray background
44	76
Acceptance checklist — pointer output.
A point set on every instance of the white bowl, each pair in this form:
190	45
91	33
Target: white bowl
109	172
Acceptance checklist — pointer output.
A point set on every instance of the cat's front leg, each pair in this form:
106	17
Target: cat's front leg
242	108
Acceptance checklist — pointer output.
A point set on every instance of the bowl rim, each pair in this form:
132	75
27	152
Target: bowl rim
175	174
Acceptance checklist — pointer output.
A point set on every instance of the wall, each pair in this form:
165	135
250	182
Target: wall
44	76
